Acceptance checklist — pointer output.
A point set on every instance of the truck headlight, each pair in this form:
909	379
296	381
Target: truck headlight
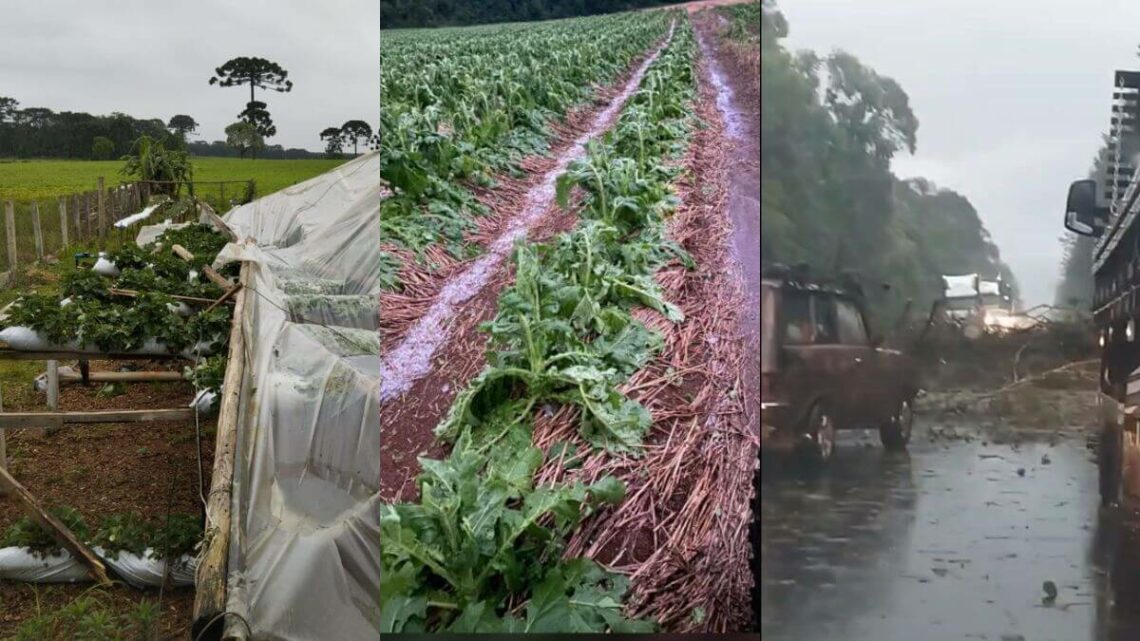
1130	330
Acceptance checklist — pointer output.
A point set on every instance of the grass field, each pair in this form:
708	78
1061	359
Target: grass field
28	179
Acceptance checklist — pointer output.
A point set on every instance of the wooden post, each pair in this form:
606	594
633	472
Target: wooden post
102	215
78	216
10	227
59	531
53	385
86	229
3	445
37	230
210	579
63	221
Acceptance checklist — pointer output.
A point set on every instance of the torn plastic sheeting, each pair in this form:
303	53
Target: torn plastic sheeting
134	218
304	548
140	571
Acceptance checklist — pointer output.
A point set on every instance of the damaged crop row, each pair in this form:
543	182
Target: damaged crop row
482	549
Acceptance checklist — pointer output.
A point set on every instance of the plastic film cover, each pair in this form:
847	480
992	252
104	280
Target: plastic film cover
304	549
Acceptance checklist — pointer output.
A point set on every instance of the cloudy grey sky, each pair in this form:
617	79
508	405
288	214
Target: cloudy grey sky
154	58
1011	98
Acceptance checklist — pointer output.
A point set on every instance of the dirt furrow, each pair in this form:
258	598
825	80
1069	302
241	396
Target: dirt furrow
443	348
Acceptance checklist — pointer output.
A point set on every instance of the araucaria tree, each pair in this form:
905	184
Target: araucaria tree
258	73
356	130
334	141
257	115
182	125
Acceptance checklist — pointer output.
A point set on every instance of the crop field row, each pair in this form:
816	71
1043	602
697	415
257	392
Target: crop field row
460	106
485	546
46	179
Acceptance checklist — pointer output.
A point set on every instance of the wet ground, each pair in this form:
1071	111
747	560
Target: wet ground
953	540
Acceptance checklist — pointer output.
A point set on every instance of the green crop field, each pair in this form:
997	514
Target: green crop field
25	180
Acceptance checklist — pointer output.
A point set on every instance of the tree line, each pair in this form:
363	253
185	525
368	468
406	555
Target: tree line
829	129
38	132
402	14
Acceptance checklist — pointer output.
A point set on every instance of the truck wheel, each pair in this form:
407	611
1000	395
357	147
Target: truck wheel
895	433
1109	452
817	444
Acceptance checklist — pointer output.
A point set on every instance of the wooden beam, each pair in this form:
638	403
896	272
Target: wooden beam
55	420
122	377
10	225
130	293
221	224
216	278
58	530
225	297
9	354
183	253
210	579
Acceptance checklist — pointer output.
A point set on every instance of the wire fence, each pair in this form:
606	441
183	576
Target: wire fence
41	229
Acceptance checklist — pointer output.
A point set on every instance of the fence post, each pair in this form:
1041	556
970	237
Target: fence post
78	213
63	222
10	226
3	446
37	230
102	215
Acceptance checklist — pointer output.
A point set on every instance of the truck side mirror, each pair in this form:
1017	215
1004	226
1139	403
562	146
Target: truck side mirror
1082	216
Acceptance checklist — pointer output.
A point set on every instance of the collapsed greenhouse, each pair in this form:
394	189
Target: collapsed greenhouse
289	547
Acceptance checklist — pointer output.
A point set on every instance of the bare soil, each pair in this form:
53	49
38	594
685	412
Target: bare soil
150	468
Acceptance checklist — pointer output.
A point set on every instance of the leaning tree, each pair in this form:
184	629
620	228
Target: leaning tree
355	131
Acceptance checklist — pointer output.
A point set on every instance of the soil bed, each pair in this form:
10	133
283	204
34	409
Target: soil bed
149	468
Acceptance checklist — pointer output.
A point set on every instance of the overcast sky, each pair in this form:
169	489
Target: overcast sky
154	58
1011	98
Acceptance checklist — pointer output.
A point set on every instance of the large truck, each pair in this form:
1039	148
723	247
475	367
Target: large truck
1106	207
979	305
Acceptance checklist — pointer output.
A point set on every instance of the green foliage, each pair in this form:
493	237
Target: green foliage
828	197
463	105
209	373
356	131
149	159
244	137
182	125
483	542
26	533
125	532
402	14
93	617
116	324
49	179
102	148
744	20
257	116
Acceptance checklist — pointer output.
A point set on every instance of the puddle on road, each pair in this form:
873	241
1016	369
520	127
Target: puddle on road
947	542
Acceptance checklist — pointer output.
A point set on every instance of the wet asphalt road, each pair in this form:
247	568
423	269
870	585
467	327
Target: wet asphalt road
946	542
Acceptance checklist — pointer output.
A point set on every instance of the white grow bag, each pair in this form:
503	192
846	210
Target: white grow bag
19	564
